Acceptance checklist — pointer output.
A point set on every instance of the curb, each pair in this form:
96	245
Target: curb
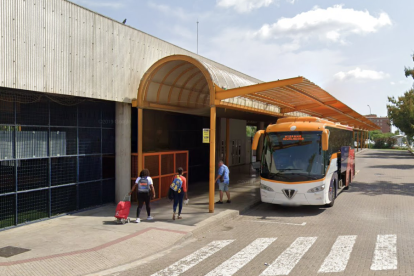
222	217
360	151
205	225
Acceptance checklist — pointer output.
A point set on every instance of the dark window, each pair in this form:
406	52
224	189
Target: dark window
89	168
36	113
89	194
7	111
89	140
63	170
63	200
32	174
7	211
57	155
62	115
32	206
63	141
293	156
7	176
339	138
89	114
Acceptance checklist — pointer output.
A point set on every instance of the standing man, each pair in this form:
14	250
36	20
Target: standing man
223	179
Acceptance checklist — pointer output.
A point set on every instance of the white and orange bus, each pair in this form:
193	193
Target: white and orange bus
305	161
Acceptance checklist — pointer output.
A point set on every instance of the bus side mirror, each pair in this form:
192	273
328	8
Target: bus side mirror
256	139
325	139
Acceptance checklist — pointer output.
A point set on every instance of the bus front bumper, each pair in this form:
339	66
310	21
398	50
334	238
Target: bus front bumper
298	199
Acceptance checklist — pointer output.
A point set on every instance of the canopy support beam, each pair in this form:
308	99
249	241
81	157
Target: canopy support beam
236	92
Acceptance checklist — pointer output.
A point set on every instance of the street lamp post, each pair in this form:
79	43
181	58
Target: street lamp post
369	133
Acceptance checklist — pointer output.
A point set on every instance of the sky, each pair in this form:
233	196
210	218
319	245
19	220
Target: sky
356	50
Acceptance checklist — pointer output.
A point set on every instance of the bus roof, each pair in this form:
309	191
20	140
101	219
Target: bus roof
303	124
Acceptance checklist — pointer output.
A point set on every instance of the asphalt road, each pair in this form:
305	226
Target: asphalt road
369	231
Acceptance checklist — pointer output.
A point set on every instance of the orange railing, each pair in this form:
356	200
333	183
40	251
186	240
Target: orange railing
162	167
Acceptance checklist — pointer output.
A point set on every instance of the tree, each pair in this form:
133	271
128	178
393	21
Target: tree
401	110
382	140
250	131
409	71
397	132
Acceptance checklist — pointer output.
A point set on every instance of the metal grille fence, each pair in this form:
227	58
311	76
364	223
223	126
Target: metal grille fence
57	155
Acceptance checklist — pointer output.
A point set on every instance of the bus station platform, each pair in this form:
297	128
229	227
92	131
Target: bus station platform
90	241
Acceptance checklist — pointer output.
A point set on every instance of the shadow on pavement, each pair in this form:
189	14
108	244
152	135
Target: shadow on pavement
393	166
392	156
244	189
279	211
382	188
386	154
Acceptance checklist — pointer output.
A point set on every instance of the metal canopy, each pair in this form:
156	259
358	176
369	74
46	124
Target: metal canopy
300	94
186	84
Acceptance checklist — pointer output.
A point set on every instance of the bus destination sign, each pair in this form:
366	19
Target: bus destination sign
293	138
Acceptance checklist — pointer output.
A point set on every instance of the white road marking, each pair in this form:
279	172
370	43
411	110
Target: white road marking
242	258
191	260
290	257
277	222
385	254
339	255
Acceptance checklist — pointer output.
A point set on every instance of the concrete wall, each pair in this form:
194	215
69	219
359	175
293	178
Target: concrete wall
221	143
122	150
237	137
56	46
248	150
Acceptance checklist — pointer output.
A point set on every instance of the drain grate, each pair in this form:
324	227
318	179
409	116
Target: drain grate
10	251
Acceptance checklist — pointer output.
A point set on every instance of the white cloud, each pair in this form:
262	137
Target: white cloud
244	6
180	13
177	12
107	4
291	1
361	74
272	61
332	24
399	82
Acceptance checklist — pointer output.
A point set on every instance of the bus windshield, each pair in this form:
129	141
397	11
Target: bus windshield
293	156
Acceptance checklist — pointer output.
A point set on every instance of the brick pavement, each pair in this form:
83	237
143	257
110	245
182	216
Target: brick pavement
90	241
379	205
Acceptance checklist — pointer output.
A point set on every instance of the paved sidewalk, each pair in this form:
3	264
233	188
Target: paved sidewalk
91	241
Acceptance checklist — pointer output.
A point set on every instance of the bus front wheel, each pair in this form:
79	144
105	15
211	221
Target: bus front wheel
332	194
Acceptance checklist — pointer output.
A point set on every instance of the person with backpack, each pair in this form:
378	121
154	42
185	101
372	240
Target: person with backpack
223	179
178	188
145	188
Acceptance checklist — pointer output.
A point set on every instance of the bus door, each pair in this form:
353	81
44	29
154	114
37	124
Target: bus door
347	169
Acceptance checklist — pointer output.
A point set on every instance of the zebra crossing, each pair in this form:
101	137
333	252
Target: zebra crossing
384	257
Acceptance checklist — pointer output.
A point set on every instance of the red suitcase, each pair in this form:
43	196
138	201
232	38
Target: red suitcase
122	210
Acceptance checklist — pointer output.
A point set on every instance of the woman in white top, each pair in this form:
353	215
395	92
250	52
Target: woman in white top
145	187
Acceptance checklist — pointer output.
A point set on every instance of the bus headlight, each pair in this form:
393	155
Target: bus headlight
317	189
267	188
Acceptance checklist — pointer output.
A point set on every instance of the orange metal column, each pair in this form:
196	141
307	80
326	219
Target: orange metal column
362	140
357	140
365	139
212	158
140	134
